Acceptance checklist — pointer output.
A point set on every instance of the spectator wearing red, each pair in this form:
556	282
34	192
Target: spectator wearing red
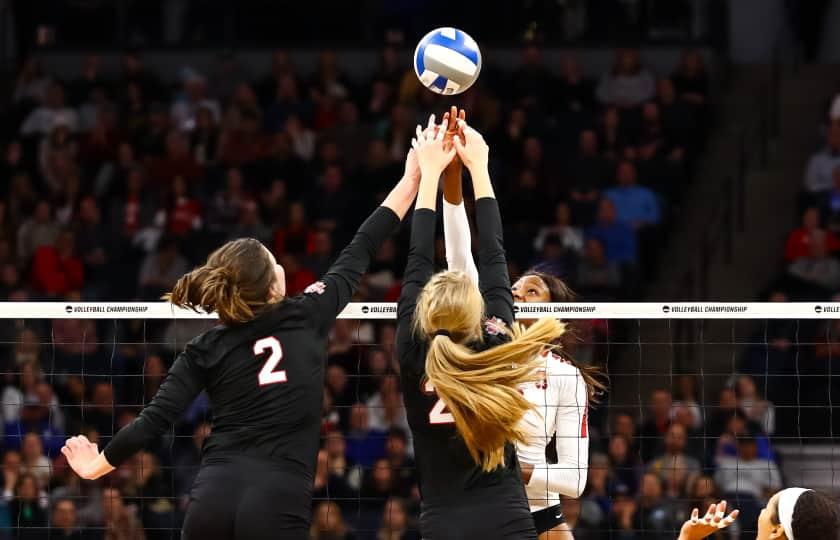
177	161
184	213
298	277
243	143
798	243
56	270
296	238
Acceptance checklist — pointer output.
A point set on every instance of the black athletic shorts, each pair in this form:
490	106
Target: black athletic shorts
548	518
478	518
245	498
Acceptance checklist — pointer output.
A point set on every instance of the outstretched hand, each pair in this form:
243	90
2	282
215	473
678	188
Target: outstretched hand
471	147
428	145
714	520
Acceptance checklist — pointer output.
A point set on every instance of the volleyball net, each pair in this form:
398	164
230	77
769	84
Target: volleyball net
705	401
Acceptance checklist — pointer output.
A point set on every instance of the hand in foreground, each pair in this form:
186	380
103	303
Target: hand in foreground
471	147
81	455
431	155
714	520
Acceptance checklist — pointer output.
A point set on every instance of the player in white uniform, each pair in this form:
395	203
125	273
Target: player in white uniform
562	396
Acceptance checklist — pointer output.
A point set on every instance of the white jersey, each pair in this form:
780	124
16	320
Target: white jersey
560	397
561	412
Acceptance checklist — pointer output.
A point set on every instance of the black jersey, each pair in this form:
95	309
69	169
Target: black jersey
265	377
445	467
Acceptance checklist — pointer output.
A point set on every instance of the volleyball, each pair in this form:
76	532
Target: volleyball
447	61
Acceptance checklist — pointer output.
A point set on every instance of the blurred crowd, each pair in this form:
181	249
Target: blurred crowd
115	184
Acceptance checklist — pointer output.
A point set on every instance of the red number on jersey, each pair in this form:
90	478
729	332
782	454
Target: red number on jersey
584	422
267	374
438	414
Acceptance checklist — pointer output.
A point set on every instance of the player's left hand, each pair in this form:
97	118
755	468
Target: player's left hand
81	455
714	520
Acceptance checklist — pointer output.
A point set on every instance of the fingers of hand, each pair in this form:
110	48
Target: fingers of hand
710	513
431	124
720	512
695	515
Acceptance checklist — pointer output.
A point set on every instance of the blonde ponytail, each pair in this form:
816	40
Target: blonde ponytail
481	389
235	282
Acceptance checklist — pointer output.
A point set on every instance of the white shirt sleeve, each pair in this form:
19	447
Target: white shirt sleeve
568	475
456	234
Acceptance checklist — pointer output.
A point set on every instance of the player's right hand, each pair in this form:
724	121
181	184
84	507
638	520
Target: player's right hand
714	520
81	455
471	147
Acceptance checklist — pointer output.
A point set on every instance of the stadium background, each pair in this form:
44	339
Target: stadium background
136	136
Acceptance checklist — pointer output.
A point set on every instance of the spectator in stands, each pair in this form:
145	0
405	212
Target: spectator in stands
160	270
747	478
656	515
93	249
328	523
727	407
820	169
57	270
177	161
99	411
320	257
365	445
227	204
818	272
192	98
250	224
628	84
183	214
624	464
691	81
26	509
120	521
617	237
297	237
39	230
799	240
589	172
54	111
679	119
31	85
397	449
34	461
596	275
575	96
385	408
702	492
570	236
757	410
685	394
634	204
395	522
64	520
656	424
675	467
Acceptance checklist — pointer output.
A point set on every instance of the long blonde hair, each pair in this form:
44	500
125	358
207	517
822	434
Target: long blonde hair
481	389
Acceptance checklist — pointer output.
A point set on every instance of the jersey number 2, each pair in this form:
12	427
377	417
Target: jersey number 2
268	375
438	414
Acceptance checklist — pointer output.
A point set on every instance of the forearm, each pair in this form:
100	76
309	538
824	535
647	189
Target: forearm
400	198
482	186
427	195
456	228
452	189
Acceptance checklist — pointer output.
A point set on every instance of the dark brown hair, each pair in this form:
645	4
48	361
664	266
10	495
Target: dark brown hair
815	516
235	282
558	291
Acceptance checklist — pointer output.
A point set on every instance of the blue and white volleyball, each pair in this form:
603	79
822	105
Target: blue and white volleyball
447	61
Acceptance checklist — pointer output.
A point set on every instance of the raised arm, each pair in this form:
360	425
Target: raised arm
331	294
456	226
492	264
432	159
181	386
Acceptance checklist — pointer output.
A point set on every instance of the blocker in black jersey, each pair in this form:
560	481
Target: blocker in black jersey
265	382
460	501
